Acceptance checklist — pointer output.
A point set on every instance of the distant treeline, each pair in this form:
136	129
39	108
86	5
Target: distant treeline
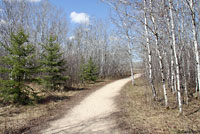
35	46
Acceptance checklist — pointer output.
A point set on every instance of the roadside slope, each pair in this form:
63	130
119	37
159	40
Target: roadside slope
140	114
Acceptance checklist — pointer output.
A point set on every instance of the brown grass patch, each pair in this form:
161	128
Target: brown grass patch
140	114
15	119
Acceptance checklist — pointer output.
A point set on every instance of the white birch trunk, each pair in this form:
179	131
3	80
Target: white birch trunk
184	65
159	57
185	82
172	73
131	63
162	73
129	51
186	92
195	41
149	53
175	56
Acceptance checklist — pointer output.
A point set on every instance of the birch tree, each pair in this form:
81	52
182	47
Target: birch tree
175	55
190	3
149	51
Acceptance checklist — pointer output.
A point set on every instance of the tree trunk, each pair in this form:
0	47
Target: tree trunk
175	56
131	63
173	85
149	54
185	82
162	72
159	56
195	41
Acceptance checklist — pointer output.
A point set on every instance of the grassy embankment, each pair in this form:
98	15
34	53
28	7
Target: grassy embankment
140	114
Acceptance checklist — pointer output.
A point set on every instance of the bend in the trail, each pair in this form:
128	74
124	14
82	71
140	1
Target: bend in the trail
93	114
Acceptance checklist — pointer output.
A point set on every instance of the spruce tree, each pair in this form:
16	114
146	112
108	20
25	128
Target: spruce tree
89	72
53	65
18	67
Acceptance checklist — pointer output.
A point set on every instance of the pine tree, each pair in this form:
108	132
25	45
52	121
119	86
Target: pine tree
18	68
53	65
89	71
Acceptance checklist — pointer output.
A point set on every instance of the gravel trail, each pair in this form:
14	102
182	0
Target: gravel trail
93	114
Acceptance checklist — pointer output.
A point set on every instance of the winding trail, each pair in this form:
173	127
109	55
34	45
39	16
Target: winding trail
93	114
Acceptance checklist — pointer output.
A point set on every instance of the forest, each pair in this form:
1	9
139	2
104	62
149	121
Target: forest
38	46
166	99
167	31
42	53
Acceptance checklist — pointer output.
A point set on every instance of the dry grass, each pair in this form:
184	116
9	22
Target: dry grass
15	119
143	115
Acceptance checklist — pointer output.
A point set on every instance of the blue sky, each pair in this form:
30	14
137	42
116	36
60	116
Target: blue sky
80	11
92	8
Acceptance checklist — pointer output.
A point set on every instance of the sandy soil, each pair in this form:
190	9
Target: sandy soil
93	114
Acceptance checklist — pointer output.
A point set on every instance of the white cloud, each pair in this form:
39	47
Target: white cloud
22	0
34	0
81	18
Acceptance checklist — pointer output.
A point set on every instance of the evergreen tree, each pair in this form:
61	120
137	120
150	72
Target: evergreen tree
89	72
53	65
18	68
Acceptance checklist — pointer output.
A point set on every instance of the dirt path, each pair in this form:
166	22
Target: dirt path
93	114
